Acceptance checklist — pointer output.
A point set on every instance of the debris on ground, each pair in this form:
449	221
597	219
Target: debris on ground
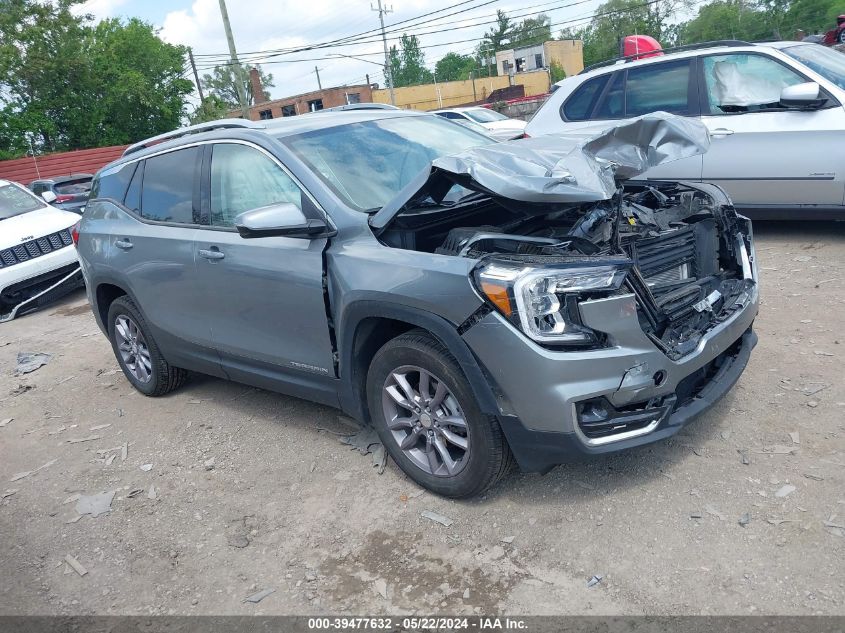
146	467
95	505
124	452
151	493
5	422
209	464
813	388
134	493
21	388
28	362
813	477
27	473
696	515
437	518
362	440
596	579
90	438
74	497
822	353
785	491
746	460
259	596
793	435
76	565
745	519
777	449
99	427
9	492
508	539
773	521
110	459
812	403
379	459
837	529
380	587
238	540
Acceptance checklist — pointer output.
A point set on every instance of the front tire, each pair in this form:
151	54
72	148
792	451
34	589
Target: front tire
426	415
137	352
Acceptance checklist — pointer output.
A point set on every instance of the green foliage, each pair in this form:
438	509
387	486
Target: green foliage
65	84
212	108
530	32
408	63
223	84
556	72
453	67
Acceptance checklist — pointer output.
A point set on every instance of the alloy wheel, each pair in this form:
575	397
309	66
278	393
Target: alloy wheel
133	348
426	421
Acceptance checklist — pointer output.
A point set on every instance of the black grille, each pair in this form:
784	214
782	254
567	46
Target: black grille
35	248
666	252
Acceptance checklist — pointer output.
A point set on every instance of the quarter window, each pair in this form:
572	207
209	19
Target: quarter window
113	185
658	87
243	178
580	104
745	82
168	187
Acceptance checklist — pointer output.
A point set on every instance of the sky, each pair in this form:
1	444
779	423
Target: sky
260	27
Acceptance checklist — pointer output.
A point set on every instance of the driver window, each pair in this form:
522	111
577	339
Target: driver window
745	82
243	178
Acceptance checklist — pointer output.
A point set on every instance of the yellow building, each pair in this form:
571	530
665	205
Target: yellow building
454	93
569	54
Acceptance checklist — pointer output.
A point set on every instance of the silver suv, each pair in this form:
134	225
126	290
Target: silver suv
474	302
775	112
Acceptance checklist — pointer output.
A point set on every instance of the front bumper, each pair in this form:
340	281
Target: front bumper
31	284
539	389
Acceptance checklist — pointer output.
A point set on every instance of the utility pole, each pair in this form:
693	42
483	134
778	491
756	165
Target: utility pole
388	71
317	72
196	76
240	82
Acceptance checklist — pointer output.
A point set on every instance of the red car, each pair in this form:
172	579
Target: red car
837	35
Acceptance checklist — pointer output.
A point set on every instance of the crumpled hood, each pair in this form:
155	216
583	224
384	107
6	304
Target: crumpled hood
578	167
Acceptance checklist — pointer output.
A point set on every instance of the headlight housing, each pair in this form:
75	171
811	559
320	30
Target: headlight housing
543	302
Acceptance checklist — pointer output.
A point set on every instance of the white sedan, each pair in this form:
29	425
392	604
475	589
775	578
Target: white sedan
38	260
495	125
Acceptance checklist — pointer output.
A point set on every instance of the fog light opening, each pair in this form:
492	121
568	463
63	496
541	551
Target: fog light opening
659	378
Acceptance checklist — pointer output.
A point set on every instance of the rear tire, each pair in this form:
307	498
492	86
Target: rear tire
137	352
425	413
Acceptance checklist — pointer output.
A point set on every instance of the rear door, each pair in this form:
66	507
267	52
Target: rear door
152	249
263	297
761	154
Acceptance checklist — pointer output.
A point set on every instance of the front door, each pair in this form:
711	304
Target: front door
761	154
263	296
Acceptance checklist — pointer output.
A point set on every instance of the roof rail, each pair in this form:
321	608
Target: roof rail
673	49
193	129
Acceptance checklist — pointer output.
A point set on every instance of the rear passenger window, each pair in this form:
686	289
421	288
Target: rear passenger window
658	87
168	188
580	103
113	184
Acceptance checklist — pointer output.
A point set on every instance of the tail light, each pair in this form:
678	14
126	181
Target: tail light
74	233
63	198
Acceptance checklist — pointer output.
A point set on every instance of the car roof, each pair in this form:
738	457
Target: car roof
459	109
60	179
698	50
288	126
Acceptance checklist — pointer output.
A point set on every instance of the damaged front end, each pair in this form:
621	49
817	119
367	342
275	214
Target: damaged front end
554	223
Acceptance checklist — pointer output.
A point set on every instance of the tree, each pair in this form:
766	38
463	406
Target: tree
212	108
726	19
496	38
453	67
65	84
556	72
531	31
407	64
223	84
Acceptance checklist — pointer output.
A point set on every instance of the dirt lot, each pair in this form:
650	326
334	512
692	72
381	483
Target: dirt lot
285	506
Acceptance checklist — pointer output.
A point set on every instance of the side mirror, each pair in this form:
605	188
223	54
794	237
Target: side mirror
283	219
806	95
48	196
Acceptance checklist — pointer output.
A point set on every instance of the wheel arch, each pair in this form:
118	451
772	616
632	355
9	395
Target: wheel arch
368	325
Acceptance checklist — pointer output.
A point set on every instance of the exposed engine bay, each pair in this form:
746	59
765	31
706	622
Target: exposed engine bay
680	248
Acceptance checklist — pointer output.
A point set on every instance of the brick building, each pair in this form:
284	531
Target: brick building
301	104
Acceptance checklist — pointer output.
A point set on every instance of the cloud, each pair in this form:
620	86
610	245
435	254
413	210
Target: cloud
100	9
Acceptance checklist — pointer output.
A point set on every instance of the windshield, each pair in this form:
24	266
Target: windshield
366	164
483	115
14	201
826	62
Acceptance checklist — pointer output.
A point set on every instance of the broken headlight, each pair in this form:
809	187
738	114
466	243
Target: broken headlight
543	302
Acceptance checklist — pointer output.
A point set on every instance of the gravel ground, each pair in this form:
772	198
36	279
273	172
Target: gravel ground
285	506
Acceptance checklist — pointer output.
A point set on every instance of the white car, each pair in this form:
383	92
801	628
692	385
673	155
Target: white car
495	125
38	260
774	111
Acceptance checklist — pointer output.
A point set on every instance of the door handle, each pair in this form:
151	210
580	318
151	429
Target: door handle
123	244
212	253
721	131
